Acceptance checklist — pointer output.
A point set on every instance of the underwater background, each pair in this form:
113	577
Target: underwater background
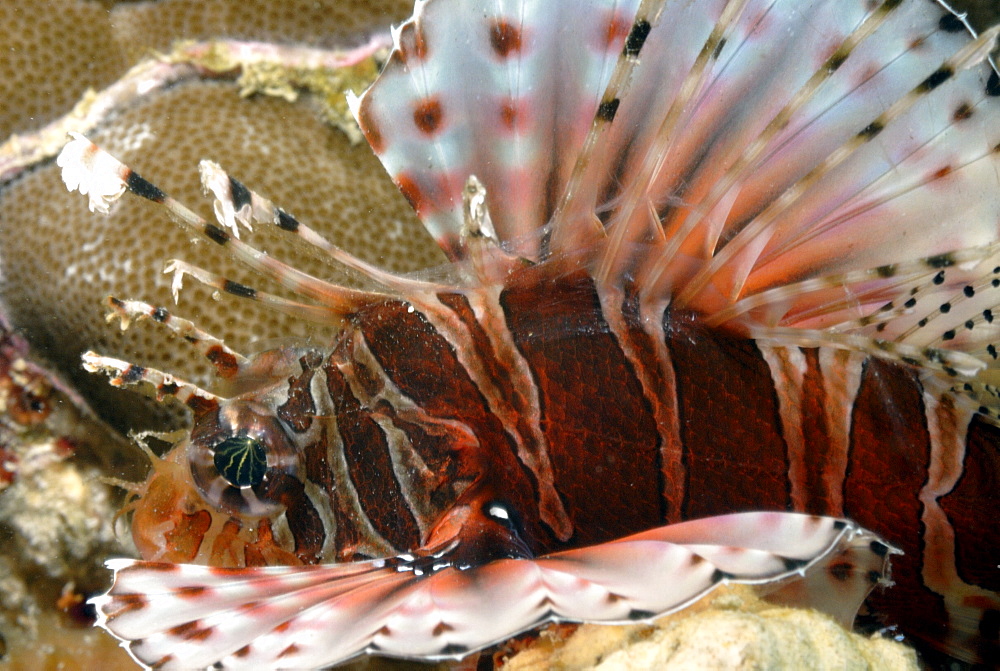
62	445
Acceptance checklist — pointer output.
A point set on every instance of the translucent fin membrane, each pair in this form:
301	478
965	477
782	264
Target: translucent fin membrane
183	616
731	151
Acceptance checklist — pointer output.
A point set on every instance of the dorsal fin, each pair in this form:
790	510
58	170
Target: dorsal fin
745	145
505	91
743	164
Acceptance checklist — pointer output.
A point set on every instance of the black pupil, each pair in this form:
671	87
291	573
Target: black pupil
241	460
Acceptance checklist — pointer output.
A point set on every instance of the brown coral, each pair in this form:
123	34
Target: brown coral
54	51
59	261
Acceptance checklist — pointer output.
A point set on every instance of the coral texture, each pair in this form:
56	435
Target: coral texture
59	261
730	629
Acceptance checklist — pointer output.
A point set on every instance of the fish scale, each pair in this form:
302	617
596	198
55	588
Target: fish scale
708	257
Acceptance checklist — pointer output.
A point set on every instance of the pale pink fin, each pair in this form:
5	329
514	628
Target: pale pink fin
183	616
910	169
769	75
870	179
505	91
781	153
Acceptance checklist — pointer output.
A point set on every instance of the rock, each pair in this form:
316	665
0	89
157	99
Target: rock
730	629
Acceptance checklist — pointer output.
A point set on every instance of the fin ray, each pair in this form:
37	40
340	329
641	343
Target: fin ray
180	616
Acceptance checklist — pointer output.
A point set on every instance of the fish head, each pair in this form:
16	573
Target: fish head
223	493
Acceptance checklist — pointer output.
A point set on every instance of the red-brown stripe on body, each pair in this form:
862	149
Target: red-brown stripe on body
961	535
735	454
352	535
502	375
977	532
603	442
317	466
319	471
369	464
300	514
971	508
889	458
485	353
350	538
816	438
652	361
815	389
433	448
424	367
298	411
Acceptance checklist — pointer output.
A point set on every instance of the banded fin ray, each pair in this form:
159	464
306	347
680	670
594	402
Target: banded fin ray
185	616
721	180
514	113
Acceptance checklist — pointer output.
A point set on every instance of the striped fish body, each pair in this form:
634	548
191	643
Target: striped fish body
709	257
556	401
721	424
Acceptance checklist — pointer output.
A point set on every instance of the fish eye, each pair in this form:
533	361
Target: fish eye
241	461
238	456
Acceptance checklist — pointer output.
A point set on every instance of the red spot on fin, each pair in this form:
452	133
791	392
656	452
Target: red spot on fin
513	114
408	187
615	30
428	115
370	126
505	38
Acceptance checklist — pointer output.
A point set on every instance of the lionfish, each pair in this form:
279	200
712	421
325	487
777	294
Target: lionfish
720	308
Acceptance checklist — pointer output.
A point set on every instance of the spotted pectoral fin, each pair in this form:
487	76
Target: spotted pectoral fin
184	616
840	581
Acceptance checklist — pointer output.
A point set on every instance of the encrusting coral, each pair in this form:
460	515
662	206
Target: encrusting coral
732	628
54	52
56	513
281	148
